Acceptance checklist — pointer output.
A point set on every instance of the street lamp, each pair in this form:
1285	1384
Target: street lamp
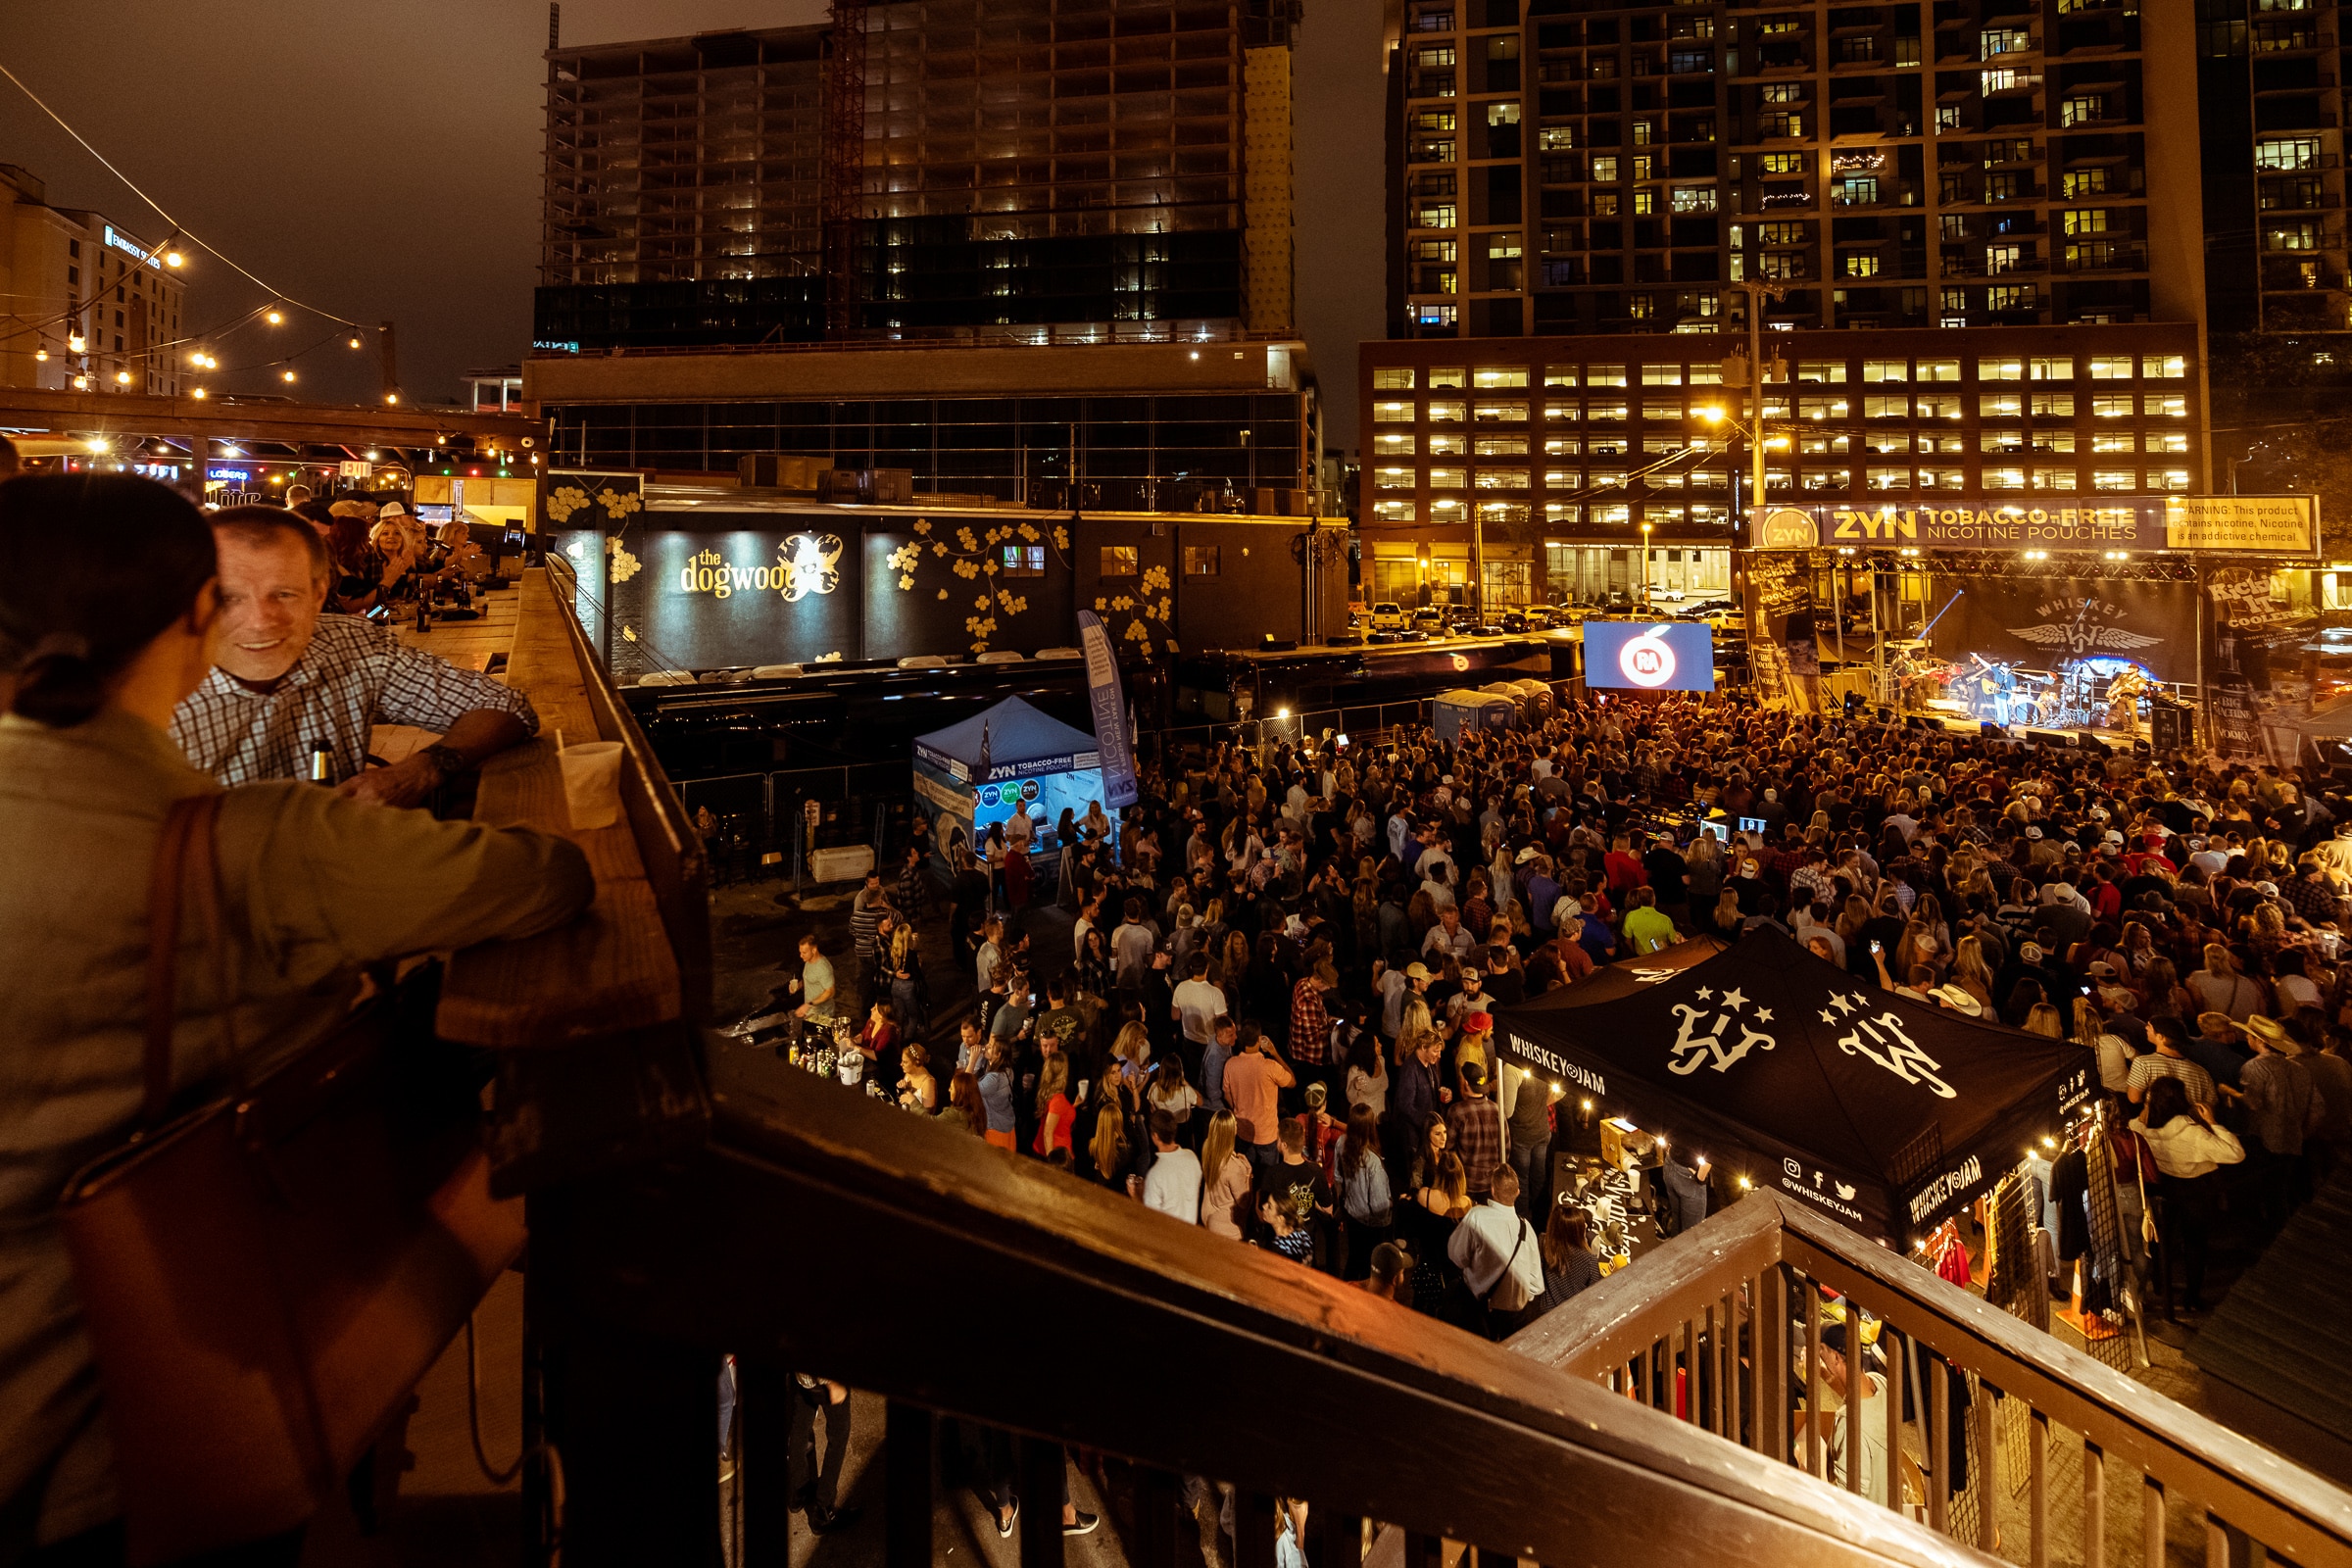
1646	599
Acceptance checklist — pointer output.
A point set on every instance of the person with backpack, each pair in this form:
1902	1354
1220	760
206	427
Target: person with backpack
1500	1259
1366	1205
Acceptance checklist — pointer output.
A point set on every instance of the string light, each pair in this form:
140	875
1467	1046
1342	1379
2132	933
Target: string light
42	354
285	375
275	318
199	394
174	259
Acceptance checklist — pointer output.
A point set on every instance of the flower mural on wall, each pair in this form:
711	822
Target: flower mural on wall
976	555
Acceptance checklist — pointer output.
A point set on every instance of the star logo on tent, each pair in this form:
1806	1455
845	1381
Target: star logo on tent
1763	1015
1704	992
1827	1016
1840	1003
1734	999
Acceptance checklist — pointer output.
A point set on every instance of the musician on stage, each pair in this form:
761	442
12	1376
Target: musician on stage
2123	701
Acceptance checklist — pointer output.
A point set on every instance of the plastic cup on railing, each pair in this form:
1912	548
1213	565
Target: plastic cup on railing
592	783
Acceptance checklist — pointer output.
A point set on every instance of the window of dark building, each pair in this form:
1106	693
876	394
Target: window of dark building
1118	561
1201	561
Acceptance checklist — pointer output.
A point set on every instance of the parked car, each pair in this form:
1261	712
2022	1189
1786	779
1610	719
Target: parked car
1617	602
1388	615
1430	620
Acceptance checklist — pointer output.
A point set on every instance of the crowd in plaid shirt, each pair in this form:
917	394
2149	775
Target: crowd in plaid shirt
353	676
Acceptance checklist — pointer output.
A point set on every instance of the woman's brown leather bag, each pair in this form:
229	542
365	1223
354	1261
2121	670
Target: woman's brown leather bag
266	1277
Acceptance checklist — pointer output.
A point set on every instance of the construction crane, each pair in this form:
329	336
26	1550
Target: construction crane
845	164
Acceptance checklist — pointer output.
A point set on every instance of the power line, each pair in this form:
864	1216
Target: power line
178	228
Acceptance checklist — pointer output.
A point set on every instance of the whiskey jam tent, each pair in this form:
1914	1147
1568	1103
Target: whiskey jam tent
1883	1113
972	774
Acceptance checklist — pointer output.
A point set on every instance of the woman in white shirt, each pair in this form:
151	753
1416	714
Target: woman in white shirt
1367	1073
2189	1148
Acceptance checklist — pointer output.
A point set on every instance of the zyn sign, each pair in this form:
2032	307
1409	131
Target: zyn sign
2237	524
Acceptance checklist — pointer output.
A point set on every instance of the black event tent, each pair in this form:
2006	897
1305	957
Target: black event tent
1881	1112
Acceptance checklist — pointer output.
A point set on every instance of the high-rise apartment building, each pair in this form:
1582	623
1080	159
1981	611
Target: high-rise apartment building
1590	168
84	304
2270	112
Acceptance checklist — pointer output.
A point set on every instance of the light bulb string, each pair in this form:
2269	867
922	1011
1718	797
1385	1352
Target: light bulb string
178	228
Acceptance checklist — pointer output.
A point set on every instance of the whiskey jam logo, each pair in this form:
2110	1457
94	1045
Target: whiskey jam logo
806	563
1942	1188
2082	628
1885	1042
1700	1042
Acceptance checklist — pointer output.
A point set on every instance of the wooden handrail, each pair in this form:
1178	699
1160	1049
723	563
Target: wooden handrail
823	1231
1626	1316
640	957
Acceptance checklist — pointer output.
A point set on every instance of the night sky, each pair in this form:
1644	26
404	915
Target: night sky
383	162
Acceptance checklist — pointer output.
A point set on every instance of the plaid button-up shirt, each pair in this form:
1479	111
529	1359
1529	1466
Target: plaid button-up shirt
1310	1024
352	677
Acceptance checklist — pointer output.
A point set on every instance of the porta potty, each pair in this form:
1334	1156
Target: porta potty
1454	712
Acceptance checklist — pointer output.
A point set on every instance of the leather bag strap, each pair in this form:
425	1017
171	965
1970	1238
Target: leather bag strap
183	851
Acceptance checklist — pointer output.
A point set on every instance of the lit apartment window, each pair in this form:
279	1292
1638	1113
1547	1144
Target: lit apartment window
1604	413
1559	375
1433	315
2053	405
2000	370
1886	370
1448	411
1824	371
1503	479
1827	478
1503	446
1490	378
2114	479
1393	512
1938	370
2287	154
1562	413
1448	479
2166	441
1880	407
1939	405
2168	478
2004	479
1943	479
1024	560
1392	414
1821	407
2000	405
2112	406
2116	368
1445	375
1389	478
2168	405
2162	366
1118	561
1662	375
1604	169
2000	442
1388	445
2113	441
1498	411
1446	444
1562	446
2053	479
1392	378
1604	376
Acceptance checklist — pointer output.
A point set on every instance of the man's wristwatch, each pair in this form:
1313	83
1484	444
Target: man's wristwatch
447	761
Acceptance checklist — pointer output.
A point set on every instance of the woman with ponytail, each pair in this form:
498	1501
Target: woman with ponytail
108	611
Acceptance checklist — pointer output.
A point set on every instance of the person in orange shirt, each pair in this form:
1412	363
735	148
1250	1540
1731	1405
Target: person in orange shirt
1254	1083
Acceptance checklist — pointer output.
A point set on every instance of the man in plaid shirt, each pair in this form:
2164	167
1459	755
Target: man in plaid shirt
1310	1023
288	679
1475	1123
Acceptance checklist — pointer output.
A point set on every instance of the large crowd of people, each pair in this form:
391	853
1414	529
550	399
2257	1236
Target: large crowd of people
1274	1012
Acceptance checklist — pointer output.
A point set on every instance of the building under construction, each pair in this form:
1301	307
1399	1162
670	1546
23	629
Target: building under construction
1102	165
1032	251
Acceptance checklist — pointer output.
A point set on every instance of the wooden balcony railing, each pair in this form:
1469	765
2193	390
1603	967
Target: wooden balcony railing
1723	1325
820	1231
